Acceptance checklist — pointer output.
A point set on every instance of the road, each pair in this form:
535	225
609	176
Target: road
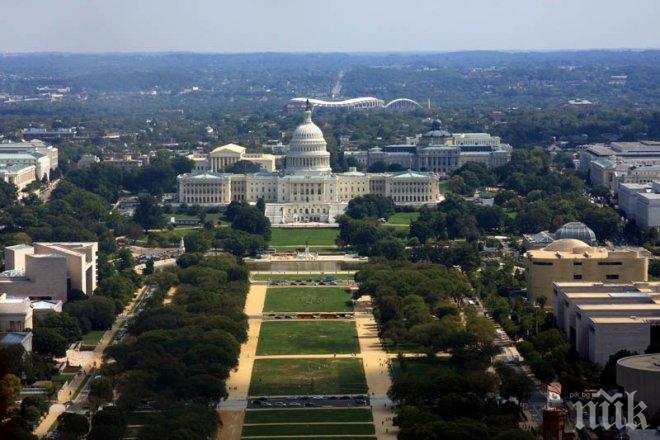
87	369
44	194
533	408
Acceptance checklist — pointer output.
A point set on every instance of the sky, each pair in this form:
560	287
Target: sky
325	26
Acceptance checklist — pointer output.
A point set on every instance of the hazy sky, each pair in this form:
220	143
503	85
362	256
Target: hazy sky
330	25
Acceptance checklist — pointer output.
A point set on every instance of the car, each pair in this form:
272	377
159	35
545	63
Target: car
295	404
360	402
266	404
310	404
345	397
318	397
280	404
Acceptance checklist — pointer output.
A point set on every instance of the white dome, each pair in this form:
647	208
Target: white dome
307	148
308	131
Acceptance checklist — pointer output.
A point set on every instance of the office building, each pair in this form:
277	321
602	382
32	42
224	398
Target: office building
625	151
439	151
569	260
641	203
600	319
47	271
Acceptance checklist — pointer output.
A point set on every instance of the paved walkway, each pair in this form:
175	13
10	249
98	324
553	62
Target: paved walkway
88	367
232	410
376	368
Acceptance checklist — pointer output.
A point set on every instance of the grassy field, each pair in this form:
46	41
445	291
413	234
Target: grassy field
307	337
279	377
314	277
308	299
285	237
402	218
93	337
308	415
304	429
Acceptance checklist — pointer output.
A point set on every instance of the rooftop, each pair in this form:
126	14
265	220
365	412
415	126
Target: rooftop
649	362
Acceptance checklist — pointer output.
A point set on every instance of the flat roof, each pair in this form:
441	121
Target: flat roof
649	362
623	319
622	307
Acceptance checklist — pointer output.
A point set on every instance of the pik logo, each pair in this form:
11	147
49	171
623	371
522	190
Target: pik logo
611	407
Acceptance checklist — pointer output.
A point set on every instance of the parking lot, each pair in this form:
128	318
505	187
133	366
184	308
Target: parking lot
318	401
305	316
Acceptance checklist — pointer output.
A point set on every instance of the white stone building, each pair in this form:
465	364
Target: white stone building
613	171
20	175
34	146
439	151
600	319
307	191
47	271
15	314
627	151
641	202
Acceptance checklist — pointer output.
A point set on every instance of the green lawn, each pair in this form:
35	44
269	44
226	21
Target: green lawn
279	377
285	237
307	337
314	277
303	429
308	415
402	218
308	299
93	337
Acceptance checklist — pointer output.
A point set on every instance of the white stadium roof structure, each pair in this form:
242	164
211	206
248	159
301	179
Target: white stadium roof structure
364	102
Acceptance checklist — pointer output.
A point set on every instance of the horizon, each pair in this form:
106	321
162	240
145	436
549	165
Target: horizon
309	26
335	52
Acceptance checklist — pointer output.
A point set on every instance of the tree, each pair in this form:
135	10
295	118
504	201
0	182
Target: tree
370	206
118	287
148	267
608	374
198	241
108	424
63	323
148	214
250	219
124	259
8	194
514	384
49	342
261	204
96	313
604	221
72	425
100	392
10	388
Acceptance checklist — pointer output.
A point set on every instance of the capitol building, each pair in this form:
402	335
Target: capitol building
306	191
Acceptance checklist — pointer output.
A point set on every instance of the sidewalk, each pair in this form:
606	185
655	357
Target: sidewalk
376	370
232	410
